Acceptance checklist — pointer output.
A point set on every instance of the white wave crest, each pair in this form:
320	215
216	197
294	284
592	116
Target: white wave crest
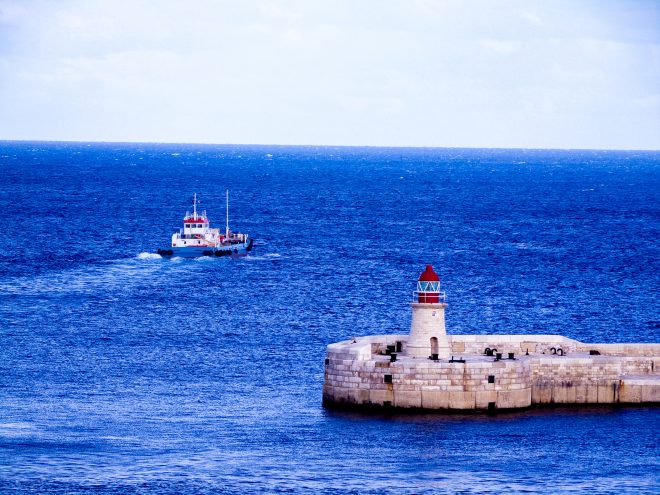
203	259
149	256
18	425
265	257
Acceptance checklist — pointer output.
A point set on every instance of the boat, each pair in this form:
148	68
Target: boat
197	238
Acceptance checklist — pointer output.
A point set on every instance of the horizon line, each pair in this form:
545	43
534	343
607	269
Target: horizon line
73	141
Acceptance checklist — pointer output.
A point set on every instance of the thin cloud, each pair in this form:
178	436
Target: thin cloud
419	73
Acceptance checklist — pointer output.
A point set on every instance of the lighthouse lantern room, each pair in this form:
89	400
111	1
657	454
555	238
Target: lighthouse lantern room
428	287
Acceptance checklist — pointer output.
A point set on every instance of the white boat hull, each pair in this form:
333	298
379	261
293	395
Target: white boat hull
241	249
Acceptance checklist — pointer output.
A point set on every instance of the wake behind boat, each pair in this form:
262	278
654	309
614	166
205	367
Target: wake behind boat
196	238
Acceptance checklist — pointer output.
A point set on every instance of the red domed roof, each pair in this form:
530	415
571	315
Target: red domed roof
429	275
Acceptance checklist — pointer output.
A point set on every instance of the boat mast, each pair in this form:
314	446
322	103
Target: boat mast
195	206
227	226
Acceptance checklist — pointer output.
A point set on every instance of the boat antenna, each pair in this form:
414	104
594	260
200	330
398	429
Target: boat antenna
227	226
195	206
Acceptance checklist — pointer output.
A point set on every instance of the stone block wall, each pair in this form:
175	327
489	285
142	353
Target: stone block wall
640	389
588	380
518	344
428	384
357	372
649	350
591	379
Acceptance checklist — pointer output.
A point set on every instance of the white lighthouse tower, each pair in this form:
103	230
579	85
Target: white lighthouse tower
428	336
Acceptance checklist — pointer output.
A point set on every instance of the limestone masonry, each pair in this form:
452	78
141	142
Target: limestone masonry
428	369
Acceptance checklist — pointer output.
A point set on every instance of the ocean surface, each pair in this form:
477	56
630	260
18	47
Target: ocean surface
122	372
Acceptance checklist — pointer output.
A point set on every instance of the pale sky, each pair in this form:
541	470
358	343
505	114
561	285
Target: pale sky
445	73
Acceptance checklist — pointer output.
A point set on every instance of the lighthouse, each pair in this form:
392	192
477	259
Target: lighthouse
428	336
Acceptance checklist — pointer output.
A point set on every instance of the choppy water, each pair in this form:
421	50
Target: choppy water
122	372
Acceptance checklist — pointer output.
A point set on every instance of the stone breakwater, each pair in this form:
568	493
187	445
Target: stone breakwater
523	371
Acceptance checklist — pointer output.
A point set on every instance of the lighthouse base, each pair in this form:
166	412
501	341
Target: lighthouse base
441	351
428	336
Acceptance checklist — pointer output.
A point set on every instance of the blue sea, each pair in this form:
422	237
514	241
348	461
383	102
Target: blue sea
123	372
